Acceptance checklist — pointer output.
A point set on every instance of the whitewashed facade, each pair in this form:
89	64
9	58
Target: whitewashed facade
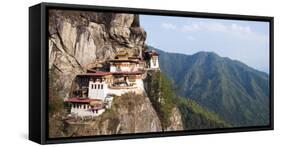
154	63
97	90
125	75
84	110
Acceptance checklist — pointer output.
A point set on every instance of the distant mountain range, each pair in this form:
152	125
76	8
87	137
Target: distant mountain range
235	91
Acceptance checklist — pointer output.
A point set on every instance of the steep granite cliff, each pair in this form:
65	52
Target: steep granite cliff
80	40
130	113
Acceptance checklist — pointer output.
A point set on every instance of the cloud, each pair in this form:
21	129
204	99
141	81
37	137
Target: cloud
191	27
241	29
230	29
236	30
209	26
246	41
190	38
216	27
169	26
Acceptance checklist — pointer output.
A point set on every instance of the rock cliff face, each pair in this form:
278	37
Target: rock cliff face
176	121
129	114
79	40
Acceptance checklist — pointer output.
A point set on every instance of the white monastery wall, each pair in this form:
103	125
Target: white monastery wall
97	90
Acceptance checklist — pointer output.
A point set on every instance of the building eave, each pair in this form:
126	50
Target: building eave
80	100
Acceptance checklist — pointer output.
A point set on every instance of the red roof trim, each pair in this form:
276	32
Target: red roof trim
98	73
110	73
126	73
80	100
123	60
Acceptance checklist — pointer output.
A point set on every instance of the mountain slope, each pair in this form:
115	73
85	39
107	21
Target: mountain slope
196	117
238	93
165	102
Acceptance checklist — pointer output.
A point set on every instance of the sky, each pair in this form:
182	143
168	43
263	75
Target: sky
246	41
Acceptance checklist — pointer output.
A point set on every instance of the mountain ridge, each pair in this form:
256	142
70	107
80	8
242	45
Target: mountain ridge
234	90
206	52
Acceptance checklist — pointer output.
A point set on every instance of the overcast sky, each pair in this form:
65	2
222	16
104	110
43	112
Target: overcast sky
246	41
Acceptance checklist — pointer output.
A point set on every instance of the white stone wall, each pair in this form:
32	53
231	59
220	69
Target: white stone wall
97	90
100	92
112	68
152	65
108	100
138	89
117	92
126	68
139	84
84	110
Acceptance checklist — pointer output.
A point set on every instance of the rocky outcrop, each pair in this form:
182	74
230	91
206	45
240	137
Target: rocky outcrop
130	113
136	114
175	120
79	40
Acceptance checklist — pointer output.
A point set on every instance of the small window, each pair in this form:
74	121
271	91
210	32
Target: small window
92	86
98	86
102	86
95	86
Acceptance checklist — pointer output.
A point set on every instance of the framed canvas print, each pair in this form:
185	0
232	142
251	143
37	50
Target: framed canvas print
100	73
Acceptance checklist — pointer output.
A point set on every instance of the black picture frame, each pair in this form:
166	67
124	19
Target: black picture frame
38	72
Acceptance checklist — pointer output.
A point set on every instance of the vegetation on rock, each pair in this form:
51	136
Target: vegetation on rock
193	115
197	117
160	92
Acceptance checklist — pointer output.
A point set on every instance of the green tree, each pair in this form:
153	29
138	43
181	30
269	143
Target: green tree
161	95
